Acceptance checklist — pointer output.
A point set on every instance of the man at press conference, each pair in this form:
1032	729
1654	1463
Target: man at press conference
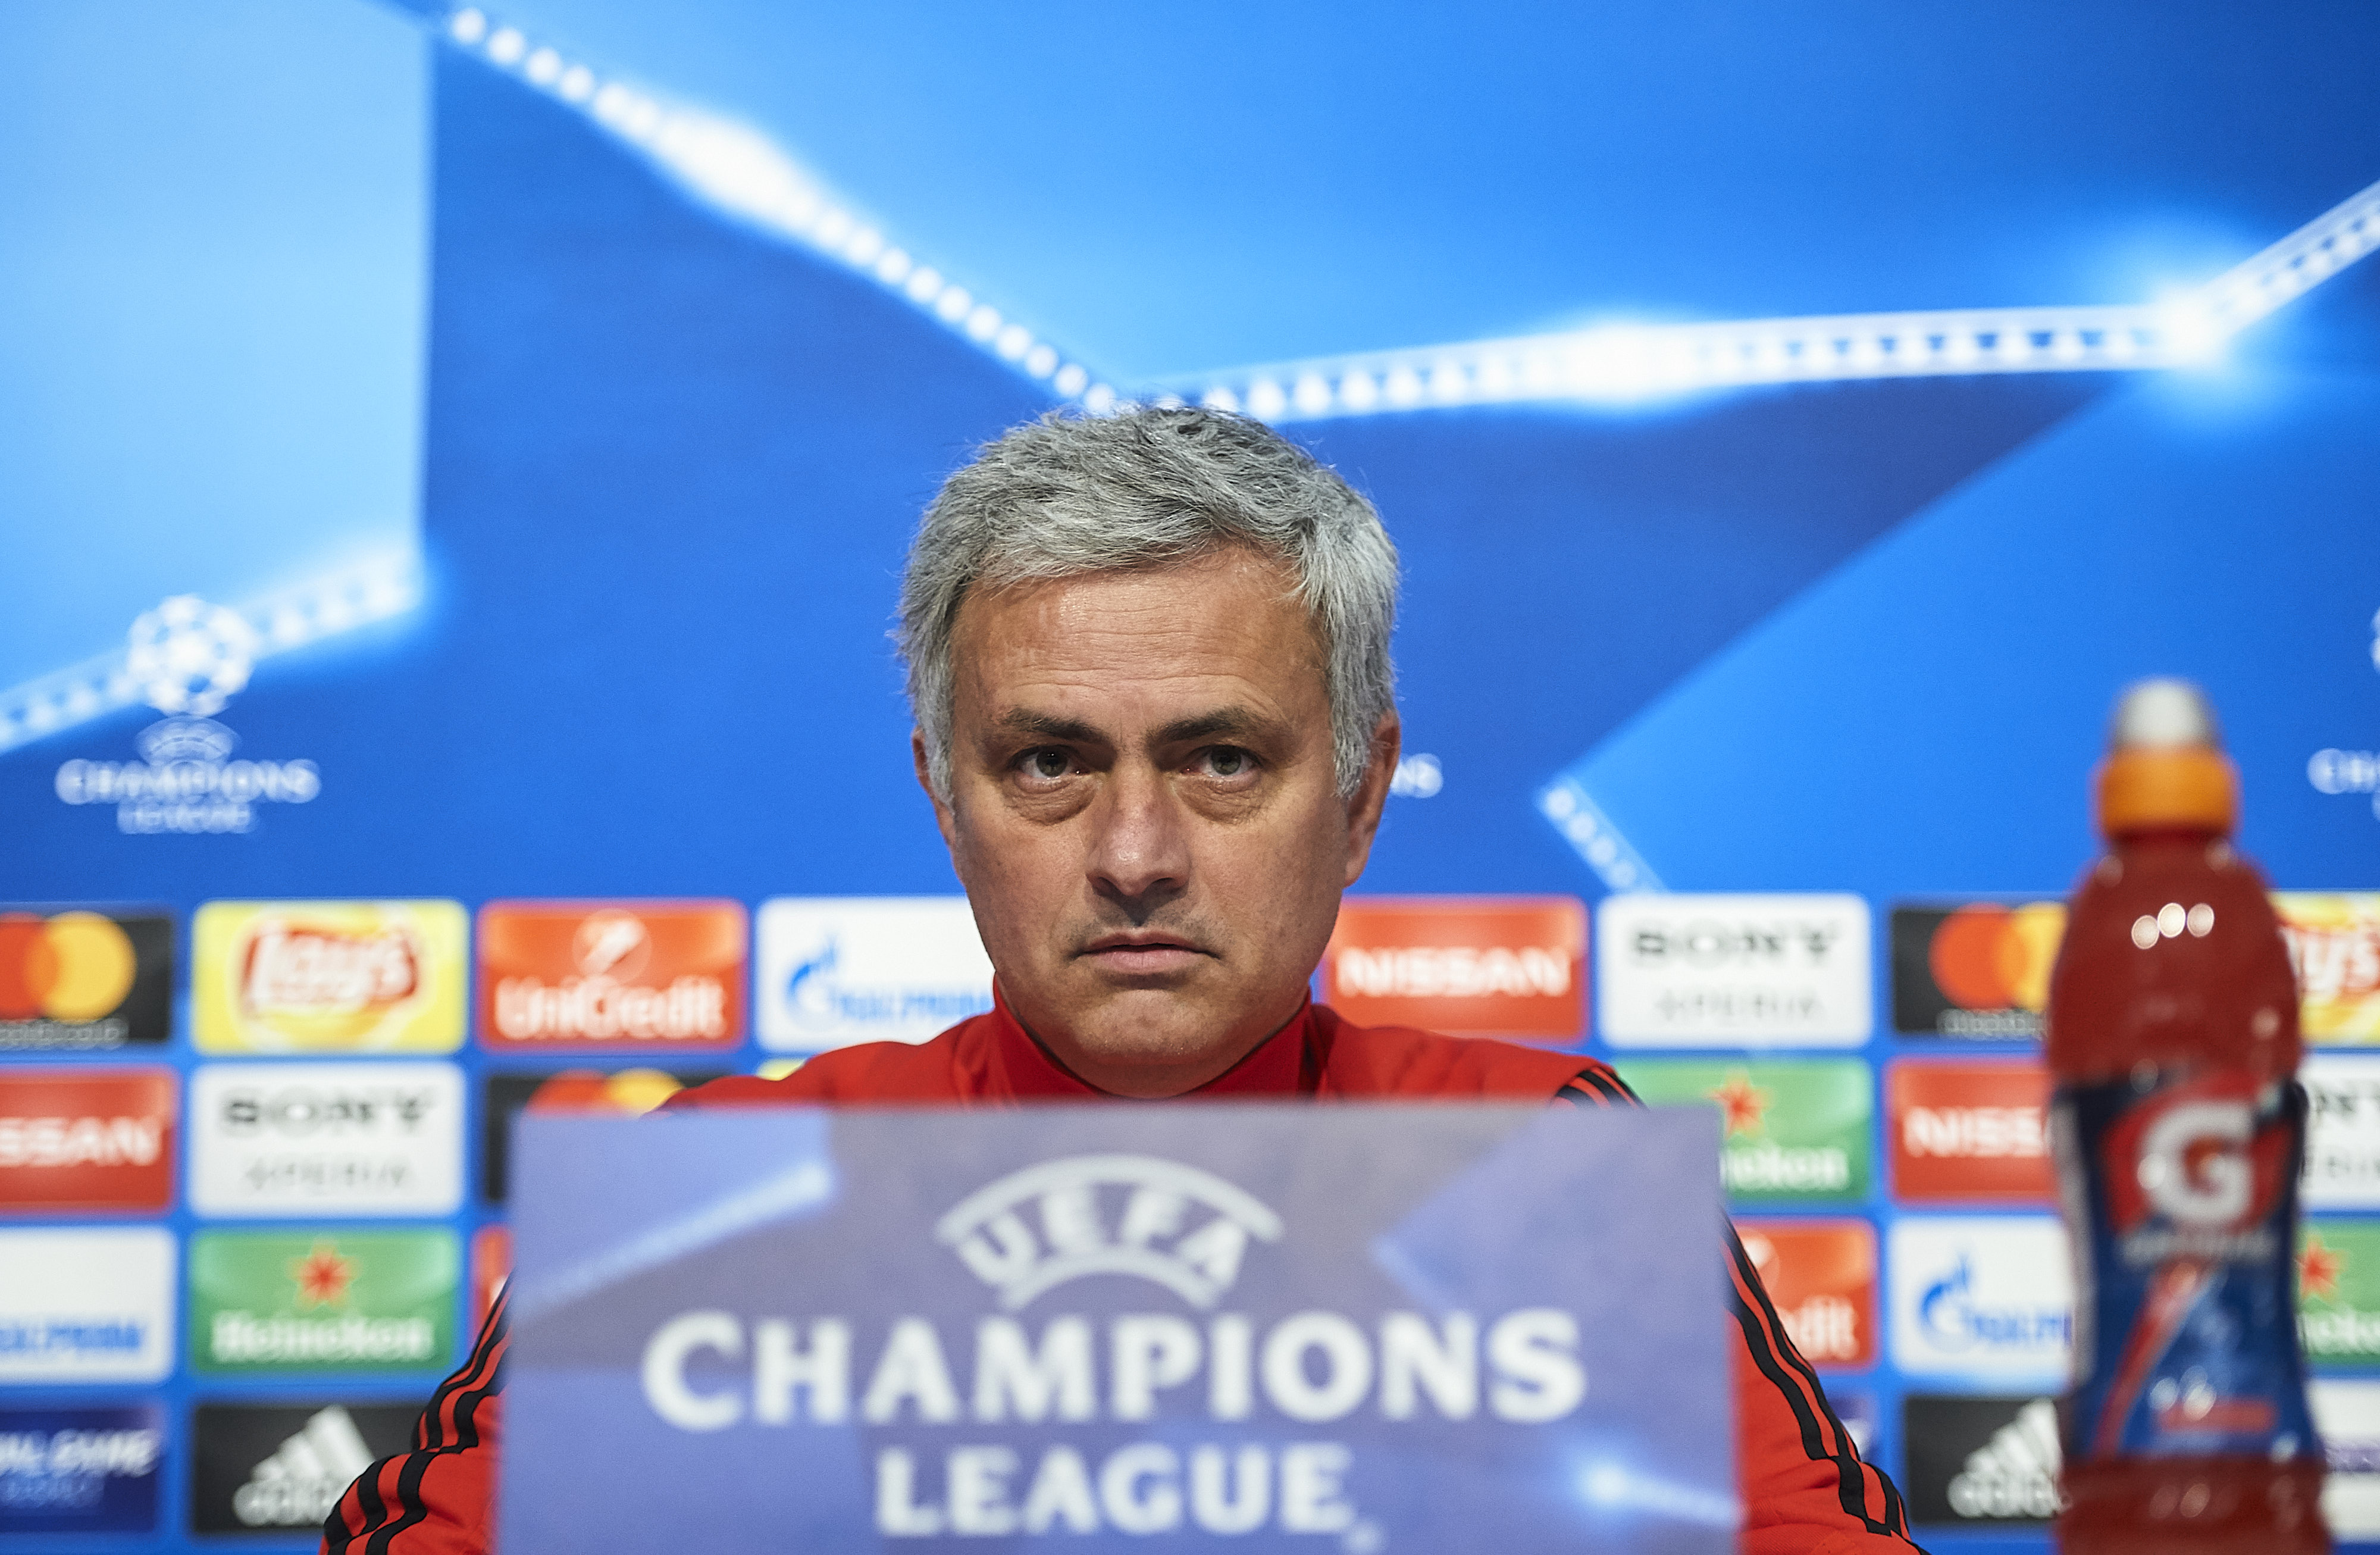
1148	661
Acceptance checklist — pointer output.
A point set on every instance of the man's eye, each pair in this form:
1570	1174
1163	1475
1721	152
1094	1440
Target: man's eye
1228	762
1047	763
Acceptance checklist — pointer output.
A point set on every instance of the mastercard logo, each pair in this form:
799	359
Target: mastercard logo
1988	957
72	966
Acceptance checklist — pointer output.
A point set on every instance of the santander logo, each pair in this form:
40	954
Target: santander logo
1174	1225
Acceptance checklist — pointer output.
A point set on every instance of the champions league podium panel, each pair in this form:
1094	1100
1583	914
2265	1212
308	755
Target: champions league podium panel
1361	1329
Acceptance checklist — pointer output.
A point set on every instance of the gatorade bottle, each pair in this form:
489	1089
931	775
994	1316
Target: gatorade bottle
2179	1127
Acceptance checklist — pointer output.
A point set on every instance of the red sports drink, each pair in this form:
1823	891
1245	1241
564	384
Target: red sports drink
2179	1127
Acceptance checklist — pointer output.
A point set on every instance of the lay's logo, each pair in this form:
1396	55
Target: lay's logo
1473	967
1183	1229
2334	941
328	976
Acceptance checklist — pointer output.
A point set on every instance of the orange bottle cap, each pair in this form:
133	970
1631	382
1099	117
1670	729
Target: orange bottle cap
2166	766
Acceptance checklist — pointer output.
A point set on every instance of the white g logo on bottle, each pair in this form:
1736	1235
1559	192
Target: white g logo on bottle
2217	1193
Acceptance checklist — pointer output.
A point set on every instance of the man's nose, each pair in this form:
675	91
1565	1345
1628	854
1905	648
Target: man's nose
1140	854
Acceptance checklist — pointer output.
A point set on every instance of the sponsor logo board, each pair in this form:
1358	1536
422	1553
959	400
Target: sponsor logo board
1687	970
87	1140
1987	1296
328	976
622	1093
85	1305
1820	1276
2342	1159
2338	1291
81	1470
1791	1131
312	1139
2334	941
1981	1462
83	980
1977	969
279	1468
578	974
2346	1417
836	970
1967	1130
1483	966
316	1300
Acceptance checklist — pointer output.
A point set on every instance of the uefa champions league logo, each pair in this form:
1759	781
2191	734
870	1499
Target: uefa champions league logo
190	657
187	659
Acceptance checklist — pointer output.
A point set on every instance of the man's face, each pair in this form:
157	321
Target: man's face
1143	811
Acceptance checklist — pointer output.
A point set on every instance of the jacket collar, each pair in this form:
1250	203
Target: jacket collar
1019	1069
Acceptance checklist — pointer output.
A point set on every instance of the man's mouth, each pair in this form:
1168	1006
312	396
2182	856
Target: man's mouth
1142	953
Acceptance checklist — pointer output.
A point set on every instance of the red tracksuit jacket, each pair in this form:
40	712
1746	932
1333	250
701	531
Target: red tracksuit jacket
1805	1489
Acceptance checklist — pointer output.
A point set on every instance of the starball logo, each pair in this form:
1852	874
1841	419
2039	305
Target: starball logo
1175	1229
186	659
1181	1228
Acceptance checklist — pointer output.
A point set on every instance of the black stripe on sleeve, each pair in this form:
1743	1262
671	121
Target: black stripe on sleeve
1605	1084
365	1492
408	1495
1850	1483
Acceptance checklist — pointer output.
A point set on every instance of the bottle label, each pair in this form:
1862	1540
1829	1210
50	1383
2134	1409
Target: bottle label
2182	1198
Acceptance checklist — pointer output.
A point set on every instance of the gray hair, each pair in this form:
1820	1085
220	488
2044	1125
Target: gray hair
1069	495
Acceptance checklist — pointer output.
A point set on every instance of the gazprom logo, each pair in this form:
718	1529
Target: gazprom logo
1035	1230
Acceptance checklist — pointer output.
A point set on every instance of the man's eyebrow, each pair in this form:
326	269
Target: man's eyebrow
1222	721
1023	720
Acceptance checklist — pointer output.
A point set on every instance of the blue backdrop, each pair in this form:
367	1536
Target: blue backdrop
553	391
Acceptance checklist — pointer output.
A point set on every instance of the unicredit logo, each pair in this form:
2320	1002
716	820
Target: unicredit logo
578	973
1179	1227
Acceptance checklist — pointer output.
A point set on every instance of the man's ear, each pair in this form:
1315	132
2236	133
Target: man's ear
1372	794
942	817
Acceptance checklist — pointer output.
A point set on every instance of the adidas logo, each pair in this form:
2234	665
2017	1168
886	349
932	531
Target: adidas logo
298	1486
2015	1473
1033	1230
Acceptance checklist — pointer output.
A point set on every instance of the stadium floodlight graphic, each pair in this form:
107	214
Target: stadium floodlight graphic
188	656
741	172
189	652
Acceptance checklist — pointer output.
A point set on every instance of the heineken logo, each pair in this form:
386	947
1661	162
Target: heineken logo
2339	1290
263	1301
1791	1130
